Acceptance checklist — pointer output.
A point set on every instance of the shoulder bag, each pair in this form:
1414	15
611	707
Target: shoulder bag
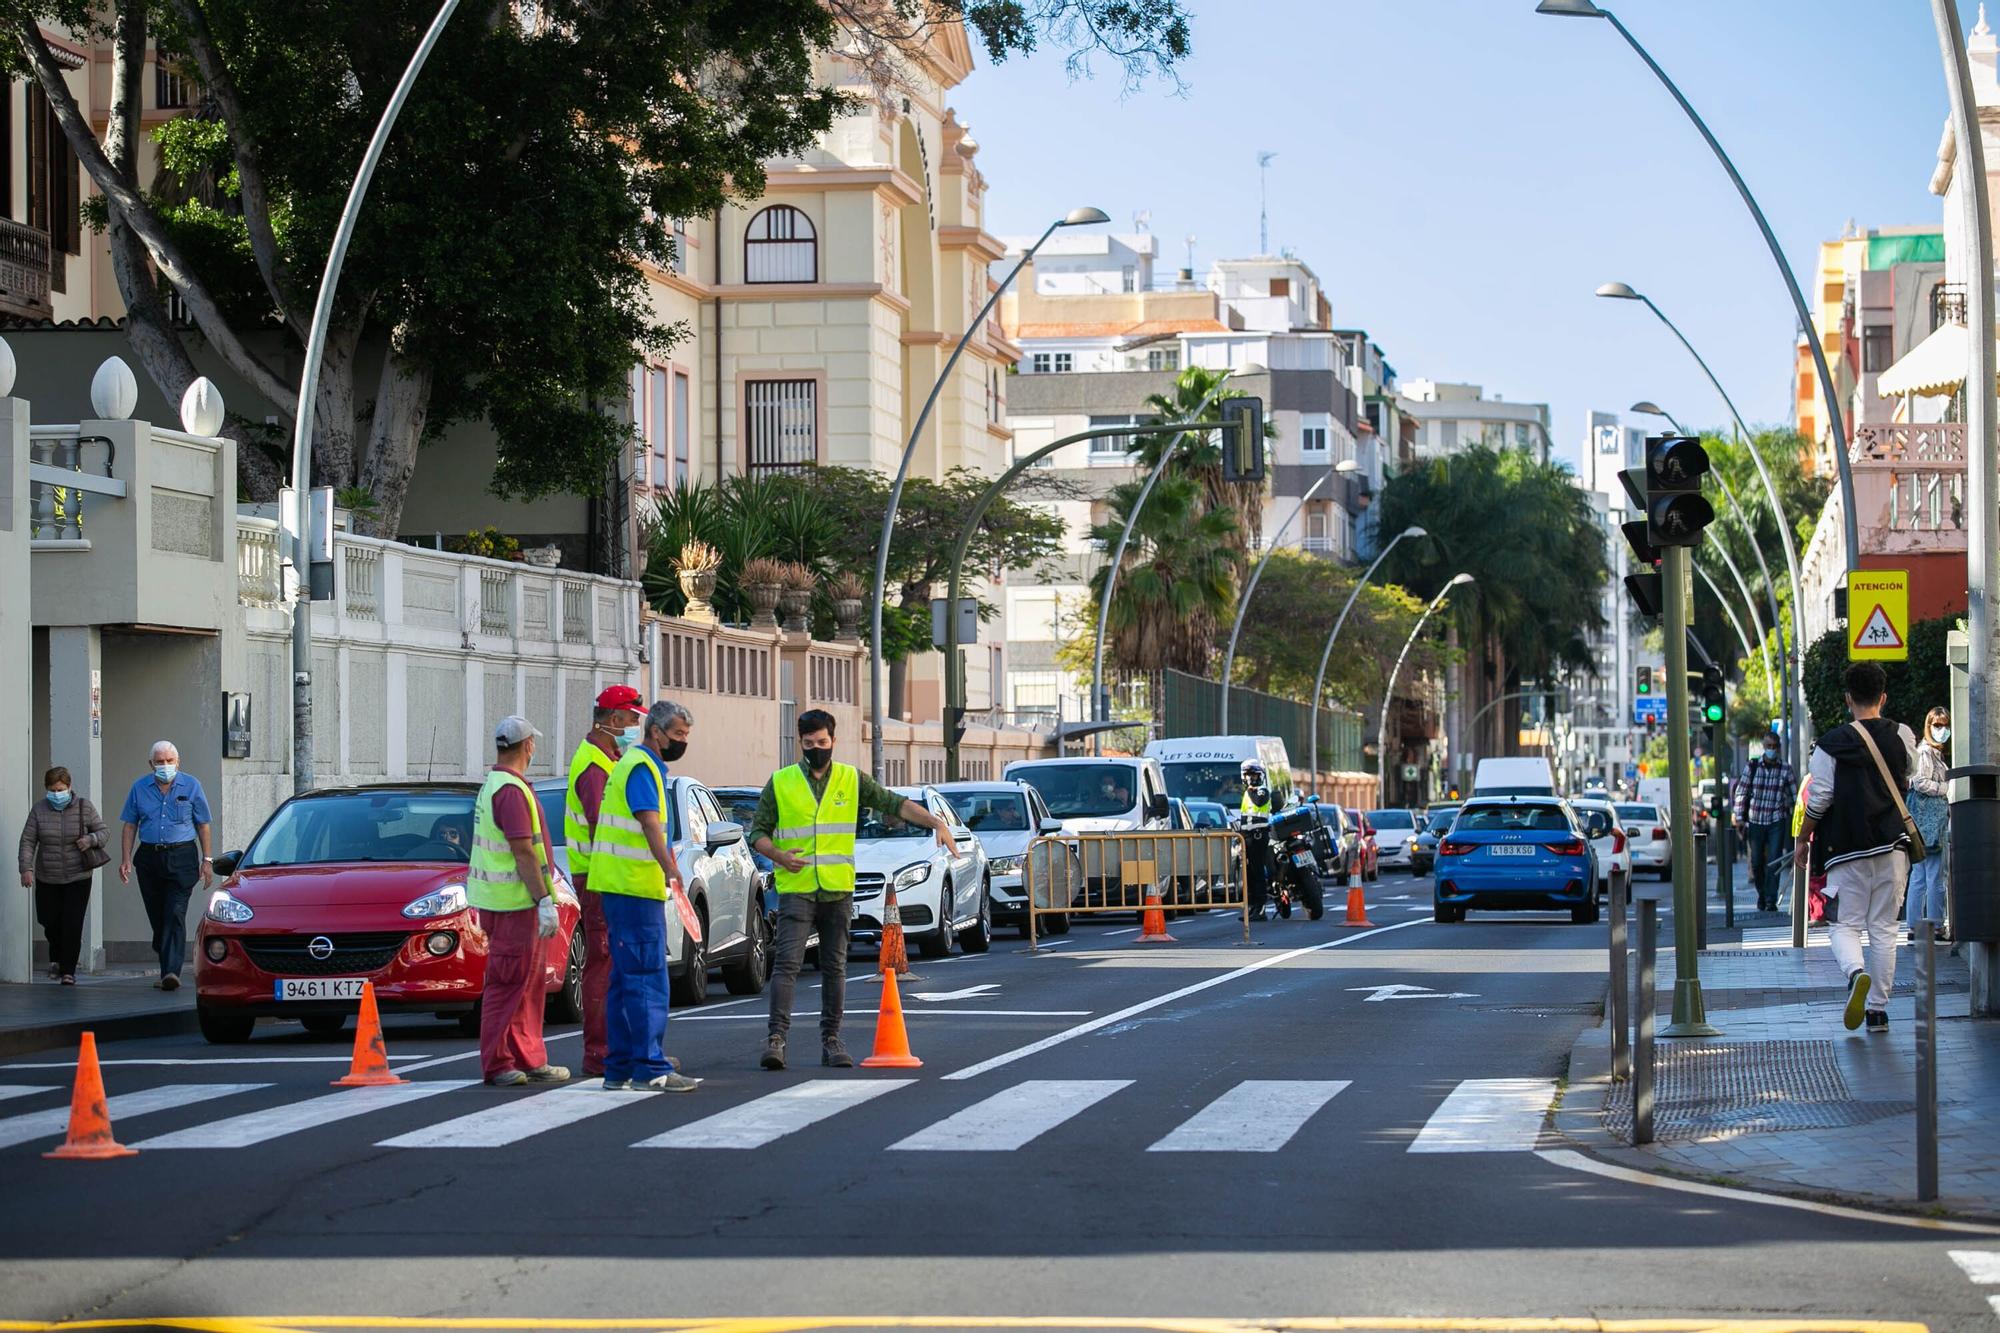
1917	850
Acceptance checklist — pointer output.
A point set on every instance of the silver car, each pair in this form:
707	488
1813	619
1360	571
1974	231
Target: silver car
1005	817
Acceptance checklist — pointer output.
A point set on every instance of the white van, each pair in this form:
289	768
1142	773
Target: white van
1210	768
1092	794
1514	777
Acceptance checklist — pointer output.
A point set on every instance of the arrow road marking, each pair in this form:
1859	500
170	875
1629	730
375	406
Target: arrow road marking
967	993
1399	991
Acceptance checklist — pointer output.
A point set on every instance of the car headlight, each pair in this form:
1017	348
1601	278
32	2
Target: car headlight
1006	865
911	876
225	907
438	902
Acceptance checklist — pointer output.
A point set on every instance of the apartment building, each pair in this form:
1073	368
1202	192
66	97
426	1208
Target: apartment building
1451	417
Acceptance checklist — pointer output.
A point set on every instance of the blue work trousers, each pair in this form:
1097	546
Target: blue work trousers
635	1005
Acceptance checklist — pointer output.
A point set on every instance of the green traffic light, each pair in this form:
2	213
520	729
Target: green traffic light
1713	712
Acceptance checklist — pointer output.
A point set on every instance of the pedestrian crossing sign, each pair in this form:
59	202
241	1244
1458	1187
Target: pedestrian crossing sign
1878	615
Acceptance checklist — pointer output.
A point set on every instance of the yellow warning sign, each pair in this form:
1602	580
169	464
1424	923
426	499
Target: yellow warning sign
1878	615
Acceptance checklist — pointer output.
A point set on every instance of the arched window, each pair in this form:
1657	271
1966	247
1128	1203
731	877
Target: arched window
781	246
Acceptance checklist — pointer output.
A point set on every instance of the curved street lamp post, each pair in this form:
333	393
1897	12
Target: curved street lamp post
1250	589
1389	691
1076	217
1319	681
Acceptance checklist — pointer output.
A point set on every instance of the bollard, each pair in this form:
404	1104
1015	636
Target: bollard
1701	892
1648	1001
1621	983
1927	1084
1725	875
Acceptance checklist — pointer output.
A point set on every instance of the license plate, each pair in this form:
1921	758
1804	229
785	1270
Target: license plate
1304	859
318	988
1511	849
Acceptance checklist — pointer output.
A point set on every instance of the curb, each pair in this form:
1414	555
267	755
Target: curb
27	1040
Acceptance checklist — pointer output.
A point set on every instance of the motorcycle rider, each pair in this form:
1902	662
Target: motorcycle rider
1256	790
1254	810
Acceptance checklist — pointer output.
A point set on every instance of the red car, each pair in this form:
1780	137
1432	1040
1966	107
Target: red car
352	884
1368	862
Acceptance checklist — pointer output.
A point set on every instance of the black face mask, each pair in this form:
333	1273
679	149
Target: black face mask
816	759
673	750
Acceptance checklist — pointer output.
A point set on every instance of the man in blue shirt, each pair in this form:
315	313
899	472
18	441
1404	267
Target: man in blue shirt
166	813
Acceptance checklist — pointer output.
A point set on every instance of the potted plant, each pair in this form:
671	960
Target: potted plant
848	592
763	582
696	568
489	542
796	599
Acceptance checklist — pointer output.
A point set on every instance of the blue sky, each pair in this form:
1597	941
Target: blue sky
1463	173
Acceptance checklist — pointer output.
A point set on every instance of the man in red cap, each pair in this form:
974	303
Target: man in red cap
614	725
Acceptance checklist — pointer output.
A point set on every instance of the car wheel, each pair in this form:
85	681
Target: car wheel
1444	916
1059	924
937	943
323	1025
1587	915
223	1029
565	1005
980	938
690	989
747	975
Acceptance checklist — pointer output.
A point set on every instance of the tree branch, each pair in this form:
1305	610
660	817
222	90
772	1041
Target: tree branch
138	214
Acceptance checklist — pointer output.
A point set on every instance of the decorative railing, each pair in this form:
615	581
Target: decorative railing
59	482
496	609
1927	501
1947	304
24	270
363	568
1937	442
575	612
259	564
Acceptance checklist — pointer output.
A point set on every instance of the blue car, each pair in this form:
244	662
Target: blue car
1516	853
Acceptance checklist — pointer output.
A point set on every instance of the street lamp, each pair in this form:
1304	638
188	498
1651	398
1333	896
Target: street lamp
1076	217
1346	465
1319	681
1588	10
1389	692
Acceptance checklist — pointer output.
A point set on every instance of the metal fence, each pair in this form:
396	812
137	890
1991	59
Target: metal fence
1192	706
1067	874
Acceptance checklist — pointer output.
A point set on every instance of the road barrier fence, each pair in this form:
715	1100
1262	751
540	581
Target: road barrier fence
1068	874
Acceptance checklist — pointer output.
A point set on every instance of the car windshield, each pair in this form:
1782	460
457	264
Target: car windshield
1512	819
874	828
991	811
380	826
1208	815
1441	819
1645	812
1382	819
739	805
1081	791
1215	780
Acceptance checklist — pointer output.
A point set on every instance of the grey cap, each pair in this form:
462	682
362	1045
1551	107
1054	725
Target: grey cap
512	731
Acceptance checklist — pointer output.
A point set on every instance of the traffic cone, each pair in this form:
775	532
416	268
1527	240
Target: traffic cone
1357	902
89	1122
892	1041
370	1066
895	955
1153	921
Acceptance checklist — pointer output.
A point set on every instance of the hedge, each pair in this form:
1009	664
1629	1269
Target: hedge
1915	686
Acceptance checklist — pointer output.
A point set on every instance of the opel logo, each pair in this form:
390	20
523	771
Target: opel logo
321	948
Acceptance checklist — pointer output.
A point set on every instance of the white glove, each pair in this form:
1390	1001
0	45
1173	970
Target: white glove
545	918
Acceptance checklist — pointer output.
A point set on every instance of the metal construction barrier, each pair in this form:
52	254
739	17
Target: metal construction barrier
1072	874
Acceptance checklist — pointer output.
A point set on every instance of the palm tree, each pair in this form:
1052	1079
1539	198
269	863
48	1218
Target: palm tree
1178	580
1200	455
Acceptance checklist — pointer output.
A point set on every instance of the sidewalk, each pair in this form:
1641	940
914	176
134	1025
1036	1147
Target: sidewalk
1786	1099
41	1015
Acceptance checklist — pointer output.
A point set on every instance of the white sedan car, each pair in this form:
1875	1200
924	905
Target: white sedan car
1652	847
1006	817
714	858
1395	830
942	898
1614	848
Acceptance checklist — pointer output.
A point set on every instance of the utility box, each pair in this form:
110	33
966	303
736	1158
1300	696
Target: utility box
1975	852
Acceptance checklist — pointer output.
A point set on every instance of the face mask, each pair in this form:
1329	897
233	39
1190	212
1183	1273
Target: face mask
166	772
1940	734
673	750
59	799
817	759
1771	753
628	738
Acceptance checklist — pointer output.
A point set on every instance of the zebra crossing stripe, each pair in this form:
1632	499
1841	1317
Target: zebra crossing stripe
47	1124
21	1090
1257	1115
1488	1115
254	1127
520	1118
771	1117
1011	1117
1982	1266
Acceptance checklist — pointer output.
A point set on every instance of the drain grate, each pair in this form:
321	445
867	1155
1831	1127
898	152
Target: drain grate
1707	1090
1588	1010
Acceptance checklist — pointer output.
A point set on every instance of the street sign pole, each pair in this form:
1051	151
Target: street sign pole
1690	1019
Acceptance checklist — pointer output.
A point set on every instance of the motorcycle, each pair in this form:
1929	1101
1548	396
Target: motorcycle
1282	863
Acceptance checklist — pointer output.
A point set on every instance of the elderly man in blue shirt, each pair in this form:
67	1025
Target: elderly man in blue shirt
166	814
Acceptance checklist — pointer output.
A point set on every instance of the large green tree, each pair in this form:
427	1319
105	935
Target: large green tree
542	154
1285	634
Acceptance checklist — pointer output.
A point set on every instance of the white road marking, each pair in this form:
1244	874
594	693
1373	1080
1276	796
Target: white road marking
1049	944
21	1090
1084	1029
1011	1117
511	1121
1401	991
273	1122
771	1117
965	993
1488	1115
927	1013
48	1124
1129	930
1257	1115
1982	1266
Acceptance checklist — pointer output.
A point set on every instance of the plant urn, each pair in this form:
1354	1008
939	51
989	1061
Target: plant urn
797	605
697	585
847	620
763	604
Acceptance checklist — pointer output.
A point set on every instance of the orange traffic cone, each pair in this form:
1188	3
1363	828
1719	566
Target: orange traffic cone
370	1066
1357	903
89	1123
892	1042
1153	921
895	954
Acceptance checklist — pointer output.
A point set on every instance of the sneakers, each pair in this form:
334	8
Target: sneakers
1878	1020
774	1053
549	1074
171	981
834	1055
668	1083
617	1085
1857	1000
510	1078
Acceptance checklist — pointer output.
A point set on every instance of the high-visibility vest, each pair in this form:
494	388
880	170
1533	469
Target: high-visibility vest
493	880
1249	807
578	836
621	861
820	832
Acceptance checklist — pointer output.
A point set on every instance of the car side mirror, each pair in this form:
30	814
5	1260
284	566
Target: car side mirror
225	864
1050	827
1157	808
724	833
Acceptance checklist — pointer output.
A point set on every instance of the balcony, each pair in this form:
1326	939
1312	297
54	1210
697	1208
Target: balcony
1947	304
24	271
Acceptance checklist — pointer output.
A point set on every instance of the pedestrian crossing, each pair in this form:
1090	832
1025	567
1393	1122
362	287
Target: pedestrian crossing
1250	1116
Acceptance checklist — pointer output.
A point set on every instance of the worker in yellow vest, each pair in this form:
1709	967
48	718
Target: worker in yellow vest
632	869
805	823
614	728
511	884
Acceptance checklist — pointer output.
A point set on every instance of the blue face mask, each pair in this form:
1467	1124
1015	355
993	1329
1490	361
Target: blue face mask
59	799
166	772
628	738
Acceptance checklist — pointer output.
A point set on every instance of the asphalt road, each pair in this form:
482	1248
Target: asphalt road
1074	1145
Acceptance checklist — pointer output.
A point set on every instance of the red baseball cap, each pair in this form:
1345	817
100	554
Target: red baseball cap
621	696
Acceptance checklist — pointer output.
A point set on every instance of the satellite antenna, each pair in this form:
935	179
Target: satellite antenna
1190	248
1263	210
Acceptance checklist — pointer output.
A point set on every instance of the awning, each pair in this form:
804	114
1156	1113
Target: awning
1934	368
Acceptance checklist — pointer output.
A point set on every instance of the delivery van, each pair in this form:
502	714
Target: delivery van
1522	776
1210	768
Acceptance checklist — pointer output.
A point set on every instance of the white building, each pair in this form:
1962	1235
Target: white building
1455	416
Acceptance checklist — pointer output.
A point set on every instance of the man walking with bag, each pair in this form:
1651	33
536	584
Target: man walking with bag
1857	830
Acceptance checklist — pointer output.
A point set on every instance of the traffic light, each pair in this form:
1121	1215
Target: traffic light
1668	490
1644	587
1243	440
1713	705
1645	686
